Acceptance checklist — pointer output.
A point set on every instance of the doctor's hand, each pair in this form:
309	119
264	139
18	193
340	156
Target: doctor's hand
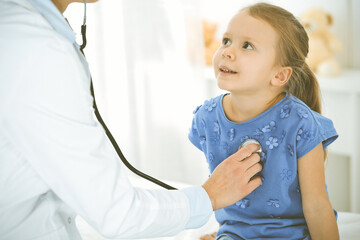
230	181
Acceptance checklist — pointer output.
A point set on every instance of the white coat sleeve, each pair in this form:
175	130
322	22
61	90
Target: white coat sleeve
51	123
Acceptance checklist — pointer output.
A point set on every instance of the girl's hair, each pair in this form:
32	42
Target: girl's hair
292	49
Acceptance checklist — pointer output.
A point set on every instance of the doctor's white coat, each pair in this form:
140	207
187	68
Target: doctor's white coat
55	159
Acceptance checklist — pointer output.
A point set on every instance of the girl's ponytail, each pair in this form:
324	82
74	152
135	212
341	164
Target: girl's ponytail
304	85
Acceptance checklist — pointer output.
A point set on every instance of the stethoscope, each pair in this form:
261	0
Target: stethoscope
112	139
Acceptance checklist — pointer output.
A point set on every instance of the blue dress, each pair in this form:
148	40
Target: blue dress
287	131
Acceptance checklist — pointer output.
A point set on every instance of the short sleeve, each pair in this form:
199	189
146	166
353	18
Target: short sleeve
313	130
194	135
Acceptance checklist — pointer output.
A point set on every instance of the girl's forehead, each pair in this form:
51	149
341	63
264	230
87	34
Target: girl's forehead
245	26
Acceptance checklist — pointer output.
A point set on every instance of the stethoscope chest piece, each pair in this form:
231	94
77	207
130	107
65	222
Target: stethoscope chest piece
250	141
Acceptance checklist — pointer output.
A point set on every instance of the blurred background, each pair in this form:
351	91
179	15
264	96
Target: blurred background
150	66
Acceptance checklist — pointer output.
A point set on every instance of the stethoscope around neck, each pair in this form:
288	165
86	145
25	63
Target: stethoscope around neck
110	136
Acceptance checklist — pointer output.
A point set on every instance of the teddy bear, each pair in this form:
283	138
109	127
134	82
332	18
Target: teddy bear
211	44
322	43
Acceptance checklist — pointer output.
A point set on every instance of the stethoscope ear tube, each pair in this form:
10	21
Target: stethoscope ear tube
83	30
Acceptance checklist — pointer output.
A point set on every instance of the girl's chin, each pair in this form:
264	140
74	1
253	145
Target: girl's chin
223	86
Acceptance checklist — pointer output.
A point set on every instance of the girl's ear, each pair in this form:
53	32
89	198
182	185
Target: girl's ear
281	77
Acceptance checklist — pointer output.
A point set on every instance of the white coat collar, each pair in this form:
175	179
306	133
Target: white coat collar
48	10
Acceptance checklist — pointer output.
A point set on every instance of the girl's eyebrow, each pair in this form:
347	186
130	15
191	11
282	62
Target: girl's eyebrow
226	34
250	39
246	38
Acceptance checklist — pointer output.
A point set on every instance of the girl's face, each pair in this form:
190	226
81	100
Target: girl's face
245	62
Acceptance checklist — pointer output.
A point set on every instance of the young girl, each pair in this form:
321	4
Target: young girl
274	98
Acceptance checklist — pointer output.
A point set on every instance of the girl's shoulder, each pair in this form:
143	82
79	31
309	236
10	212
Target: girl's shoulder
304	112
295	116
209	106
310	127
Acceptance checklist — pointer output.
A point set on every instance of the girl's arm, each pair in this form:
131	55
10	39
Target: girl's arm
317	208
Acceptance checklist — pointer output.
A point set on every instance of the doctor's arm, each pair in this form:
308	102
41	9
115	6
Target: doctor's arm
317	208
51	122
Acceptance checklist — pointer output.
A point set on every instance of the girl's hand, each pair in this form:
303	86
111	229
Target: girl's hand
211	236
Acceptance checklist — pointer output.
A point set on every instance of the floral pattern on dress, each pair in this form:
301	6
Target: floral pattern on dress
209	105
243	203
290	149
303	113
286	174
305	135
202	140
299	134
269	127
231	134
273	202
285	111
272	142
259	134
308	135
216	128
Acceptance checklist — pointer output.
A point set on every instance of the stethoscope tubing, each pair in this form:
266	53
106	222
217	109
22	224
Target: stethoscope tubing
107	131
118	150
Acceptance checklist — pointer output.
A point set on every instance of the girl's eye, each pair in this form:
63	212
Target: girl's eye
248	46
226	41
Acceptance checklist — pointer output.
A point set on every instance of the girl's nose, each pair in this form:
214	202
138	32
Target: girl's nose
228	54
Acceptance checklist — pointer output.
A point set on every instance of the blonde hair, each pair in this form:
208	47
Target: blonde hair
292	49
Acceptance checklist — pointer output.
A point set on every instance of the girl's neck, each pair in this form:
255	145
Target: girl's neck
242	108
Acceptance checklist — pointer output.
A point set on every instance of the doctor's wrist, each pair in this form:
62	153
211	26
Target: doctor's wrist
200	206
211	197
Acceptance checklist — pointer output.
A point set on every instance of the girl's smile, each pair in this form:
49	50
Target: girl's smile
226	70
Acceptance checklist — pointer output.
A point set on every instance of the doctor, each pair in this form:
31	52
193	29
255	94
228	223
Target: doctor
55	159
